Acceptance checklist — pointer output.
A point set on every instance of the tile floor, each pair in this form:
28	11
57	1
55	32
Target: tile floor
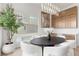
17	52
76	51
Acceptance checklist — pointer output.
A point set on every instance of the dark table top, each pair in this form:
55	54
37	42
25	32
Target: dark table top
43	41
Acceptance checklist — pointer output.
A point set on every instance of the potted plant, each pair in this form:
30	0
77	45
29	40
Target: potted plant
8	21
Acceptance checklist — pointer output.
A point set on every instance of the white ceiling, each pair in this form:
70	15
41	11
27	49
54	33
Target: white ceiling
64	5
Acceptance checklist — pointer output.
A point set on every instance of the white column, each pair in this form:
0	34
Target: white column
0	40
50	21
75	40
77	36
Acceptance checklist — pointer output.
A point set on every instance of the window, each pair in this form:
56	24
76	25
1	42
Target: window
30	25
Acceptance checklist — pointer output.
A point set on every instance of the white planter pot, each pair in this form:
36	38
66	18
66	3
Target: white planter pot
8	48
4	36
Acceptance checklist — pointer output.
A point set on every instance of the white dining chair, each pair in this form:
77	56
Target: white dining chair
30	50
59	50
71	44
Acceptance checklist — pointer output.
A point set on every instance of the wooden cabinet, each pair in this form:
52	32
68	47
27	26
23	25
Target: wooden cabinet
66	19
57	22
45	20
70	21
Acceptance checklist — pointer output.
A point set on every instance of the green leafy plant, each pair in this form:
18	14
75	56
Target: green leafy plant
8	20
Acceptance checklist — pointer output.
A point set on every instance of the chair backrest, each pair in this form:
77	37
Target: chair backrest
60	50
30	50
60	35
38	36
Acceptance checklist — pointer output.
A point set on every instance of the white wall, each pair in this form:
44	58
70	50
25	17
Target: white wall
2	6
28	9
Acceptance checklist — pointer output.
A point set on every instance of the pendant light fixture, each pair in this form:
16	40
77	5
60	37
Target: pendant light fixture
50	8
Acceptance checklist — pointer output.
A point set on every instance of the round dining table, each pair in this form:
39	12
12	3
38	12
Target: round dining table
45	42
